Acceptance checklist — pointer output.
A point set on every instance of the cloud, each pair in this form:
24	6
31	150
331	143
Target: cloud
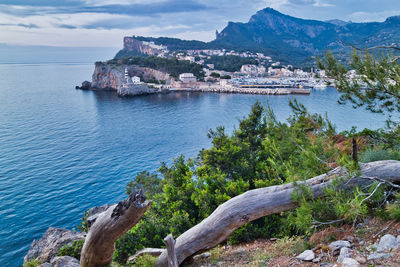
136	8
302	2
27	26
315	3
373	16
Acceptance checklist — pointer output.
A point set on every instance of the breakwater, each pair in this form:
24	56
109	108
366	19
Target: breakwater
240	90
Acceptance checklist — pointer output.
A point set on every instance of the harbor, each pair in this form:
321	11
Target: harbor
239	90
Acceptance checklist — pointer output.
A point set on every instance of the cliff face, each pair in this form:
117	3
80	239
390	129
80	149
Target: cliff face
132	44
111	77
107	77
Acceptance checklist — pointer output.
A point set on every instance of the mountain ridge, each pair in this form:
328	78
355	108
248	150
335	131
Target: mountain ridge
290	39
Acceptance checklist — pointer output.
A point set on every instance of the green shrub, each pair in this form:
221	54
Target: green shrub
393	209
32	263
379	154
337	207
146	261
73	250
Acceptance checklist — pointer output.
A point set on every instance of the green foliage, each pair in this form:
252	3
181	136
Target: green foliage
146	261
32	263
261	152
72	250
226	77
375	85
393	209
337	207
229	63
172	66
150	183
215	74
83	227
379	154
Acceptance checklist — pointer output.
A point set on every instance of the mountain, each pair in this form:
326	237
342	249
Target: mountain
294	39
288	39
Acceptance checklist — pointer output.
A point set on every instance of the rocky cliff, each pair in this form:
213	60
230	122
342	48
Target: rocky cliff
111	76
132	44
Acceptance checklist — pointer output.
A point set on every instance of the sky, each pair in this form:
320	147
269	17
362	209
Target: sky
103	23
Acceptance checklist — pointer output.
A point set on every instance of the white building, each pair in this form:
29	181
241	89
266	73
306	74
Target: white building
252	69
187	78
136	80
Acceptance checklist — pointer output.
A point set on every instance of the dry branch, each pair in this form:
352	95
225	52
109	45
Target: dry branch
170	244
98	248
261	202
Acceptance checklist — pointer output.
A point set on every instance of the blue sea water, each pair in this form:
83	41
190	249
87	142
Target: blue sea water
63	150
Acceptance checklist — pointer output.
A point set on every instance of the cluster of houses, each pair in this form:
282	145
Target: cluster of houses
215	77
200	56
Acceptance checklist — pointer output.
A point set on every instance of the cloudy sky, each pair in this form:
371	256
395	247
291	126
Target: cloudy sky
103	23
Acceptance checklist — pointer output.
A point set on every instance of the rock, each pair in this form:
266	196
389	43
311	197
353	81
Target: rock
307	255
316	260
336	245
46	248
349	238
349	262
377	256
135	89
344	253
387	243
202	256
65	261
46	264
361	259
111	76
86	85
241	251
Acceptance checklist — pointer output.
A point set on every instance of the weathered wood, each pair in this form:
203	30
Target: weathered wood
170	244
98	248
261	202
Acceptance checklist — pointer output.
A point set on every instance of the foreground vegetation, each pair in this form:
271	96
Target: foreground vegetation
261	152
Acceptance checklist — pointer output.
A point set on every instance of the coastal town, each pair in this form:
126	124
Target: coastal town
264	76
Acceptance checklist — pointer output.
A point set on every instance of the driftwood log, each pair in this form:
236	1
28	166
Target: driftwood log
261	202
98	248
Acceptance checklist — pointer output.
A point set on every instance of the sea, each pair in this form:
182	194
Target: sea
63	151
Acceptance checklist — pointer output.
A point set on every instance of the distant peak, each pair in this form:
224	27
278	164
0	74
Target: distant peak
395	19
269	10
338	22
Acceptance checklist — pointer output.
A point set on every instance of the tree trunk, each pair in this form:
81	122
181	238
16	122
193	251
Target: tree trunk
98	248
261	202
